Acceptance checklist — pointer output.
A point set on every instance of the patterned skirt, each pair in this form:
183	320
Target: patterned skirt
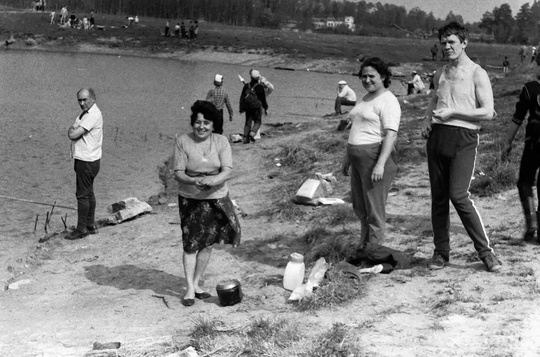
207	222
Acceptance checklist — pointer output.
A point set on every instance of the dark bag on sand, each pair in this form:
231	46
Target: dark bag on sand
250	101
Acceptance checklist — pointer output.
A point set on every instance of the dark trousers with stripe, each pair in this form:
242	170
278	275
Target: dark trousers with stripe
451	153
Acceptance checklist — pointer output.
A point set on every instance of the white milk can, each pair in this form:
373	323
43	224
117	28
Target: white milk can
294	272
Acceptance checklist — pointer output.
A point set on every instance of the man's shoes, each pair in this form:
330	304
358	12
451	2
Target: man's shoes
492	263
202	296
92	229
77	234
436	262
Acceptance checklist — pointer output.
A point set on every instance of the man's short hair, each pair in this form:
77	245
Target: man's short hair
90	90
454	28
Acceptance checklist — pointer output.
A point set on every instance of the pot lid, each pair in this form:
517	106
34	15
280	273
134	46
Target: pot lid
228	284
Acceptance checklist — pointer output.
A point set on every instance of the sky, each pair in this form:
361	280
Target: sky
470	10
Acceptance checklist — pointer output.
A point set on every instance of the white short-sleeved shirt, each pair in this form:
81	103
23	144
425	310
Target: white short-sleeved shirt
88	146
371	118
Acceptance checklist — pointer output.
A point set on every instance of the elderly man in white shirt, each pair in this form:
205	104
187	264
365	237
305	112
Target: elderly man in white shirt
346	96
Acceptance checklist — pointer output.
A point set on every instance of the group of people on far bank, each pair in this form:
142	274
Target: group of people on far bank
203	162
180	30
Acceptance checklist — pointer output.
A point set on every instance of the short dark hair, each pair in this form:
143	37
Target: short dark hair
454	28
207	109
380	66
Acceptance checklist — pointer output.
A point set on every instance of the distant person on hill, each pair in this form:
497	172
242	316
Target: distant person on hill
345	96
183	31
92	20
530	160
73	20
506	65
462	98
533	53
416	84
86	24
136	20
64	13
370	156
53	14
219	98
196	29
177	30
434	52
191	30
253	102
202	164
167	28
86	136
522	53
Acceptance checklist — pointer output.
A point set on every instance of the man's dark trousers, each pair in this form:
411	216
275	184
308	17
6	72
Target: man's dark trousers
86	172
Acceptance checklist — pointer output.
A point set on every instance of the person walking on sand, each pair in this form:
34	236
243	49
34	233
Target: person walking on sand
530	159
462	98
345	96
369	159
86	136
253	102
219	97
268	89
202	164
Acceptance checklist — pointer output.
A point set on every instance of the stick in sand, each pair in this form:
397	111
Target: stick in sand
35	224
36	202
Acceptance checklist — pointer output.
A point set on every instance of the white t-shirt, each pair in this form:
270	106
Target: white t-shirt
347	93
88	146
371	118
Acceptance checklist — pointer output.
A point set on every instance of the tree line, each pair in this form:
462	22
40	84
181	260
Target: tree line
370	18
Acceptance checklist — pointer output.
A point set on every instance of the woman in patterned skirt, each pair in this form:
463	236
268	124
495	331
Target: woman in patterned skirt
202	166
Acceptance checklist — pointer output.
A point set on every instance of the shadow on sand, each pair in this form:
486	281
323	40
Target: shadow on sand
129	276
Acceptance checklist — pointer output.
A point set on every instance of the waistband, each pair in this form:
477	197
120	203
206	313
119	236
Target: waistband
453	128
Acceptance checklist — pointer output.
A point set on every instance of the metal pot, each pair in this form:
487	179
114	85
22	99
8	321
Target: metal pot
229	292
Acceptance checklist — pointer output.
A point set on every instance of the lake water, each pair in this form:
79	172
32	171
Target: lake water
145	102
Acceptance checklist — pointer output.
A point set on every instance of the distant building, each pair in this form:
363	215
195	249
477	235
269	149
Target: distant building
330	22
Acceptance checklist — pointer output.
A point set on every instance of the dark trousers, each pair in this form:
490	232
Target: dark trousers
368	197
342	101
451	154
530	162
218	124
253	122
86	172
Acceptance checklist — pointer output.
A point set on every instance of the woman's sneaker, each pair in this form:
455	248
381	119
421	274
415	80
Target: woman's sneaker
436	262
492	263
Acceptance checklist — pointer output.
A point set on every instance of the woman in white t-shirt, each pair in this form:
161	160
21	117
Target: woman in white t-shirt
369	158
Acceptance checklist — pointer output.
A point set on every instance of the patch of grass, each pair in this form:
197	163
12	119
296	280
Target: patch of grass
338	289
336	342
266	335
331	245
